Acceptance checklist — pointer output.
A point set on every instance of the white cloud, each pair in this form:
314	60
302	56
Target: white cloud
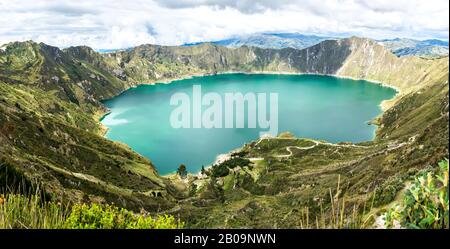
246	6
117	24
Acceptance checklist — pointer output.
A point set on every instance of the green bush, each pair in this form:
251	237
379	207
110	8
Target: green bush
425	204
236	161
386	193
220	170
223	169
111	217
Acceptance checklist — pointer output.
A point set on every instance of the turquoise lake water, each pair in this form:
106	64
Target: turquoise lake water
309	106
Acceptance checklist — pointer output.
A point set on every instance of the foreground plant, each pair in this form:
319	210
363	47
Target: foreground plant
111	217
338	215
18	211
30	212
425	204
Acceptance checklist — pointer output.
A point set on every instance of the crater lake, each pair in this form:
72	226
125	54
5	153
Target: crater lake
309	106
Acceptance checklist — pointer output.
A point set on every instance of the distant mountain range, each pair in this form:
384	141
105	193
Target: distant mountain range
425	48
271	40
399	46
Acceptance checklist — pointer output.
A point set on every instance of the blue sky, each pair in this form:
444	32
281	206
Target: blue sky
106	24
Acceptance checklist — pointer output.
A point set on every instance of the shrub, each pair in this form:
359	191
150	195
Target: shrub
220	170
110	217
246	181
425	204
386	193
236	161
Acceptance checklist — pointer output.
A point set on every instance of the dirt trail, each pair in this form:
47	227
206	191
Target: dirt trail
391	147
289	148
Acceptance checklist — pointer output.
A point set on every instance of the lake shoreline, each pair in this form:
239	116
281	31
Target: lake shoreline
384	105
222	157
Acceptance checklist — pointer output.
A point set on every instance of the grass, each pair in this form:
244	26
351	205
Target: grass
338	216
19	211
424	205
337	209
41	141
31	212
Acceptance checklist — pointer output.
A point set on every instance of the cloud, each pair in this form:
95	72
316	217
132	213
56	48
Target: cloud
70	10
52	8
385	6
110	24
245	6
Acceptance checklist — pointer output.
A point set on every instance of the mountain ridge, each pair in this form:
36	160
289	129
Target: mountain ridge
432	48
410	47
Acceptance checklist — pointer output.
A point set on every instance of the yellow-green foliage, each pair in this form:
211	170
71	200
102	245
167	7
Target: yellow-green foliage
111	217
425	204
18	211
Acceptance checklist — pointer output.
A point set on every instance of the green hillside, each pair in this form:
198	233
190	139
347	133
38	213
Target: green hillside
50	133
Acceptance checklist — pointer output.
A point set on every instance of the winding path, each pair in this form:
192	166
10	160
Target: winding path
391	147
289	148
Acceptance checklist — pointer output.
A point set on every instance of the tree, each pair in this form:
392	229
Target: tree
220	170
181	171
203	170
